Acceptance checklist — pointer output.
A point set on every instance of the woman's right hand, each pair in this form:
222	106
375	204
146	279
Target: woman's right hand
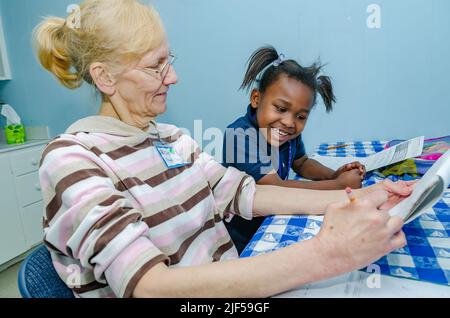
359	233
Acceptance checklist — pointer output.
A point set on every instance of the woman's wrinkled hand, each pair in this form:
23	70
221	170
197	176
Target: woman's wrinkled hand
359	233
397	191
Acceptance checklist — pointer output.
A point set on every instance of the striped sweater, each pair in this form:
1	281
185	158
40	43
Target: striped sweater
113	209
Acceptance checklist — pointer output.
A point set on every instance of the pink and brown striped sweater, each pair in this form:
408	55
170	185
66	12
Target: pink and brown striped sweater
113	209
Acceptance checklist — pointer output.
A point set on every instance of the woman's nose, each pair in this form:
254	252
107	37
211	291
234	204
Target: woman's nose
171	76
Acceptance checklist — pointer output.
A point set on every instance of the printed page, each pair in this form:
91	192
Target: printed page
407	149
378	160
334	162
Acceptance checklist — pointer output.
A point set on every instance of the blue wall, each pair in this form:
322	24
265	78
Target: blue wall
390	82
37	97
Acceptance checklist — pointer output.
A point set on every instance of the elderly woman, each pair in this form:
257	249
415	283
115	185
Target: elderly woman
135	208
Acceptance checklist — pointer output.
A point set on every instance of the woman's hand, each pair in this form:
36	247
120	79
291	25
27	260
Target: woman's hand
350	166
397	191
359	233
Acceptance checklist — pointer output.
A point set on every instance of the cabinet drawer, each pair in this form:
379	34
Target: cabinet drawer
28	189
12	241
32	223
25	161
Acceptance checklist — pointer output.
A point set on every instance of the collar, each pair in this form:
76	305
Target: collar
109	125
250	116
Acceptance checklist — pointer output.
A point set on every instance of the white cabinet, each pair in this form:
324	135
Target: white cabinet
21	207
5	72
12	238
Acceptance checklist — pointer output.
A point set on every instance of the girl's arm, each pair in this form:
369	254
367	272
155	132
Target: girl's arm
346	179
312	169
351	237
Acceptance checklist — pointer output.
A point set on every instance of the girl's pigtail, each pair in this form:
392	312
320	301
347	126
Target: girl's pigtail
325	89
256	63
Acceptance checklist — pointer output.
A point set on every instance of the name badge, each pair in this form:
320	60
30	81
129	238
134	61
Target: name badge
170	156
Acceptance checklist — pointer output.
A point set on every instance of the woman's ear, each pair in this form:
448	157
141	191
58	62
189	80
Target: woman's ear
104	80
255	96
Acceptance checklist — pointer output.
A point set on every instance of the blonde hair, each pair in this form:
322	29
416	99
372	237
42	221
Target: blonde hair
115	32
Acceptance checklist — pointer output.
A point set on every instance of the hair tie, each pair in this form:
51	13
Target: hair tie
319	81
275	63
279	60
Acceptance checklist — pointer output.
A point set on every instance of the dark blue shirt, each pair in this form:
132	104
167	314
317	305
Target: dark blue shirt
247	150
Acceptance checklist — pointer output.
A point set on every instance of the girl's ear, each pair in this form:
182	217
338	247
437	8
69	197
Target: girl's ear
255	96
104	80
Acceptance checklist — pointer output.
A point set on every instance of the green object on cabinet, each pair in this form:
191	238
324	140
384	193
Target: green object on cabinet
15	134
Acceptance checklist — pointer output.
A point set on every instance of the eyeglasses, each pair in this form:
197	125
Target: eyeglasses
159	72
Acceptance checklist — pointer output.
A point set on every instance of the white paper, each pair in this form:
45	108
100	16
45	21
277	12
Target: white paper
359	284
427	191
402	151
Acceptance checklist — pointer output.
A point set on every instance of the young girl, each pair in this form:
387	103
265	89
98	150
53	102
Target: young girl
280	105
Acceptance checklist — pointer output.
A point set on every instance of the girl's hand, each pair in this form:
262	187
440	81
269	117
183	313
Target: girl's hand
350	179
350	166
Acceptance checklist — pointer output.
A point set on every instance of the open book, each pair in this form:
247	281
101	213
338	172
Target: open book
427	191
405	150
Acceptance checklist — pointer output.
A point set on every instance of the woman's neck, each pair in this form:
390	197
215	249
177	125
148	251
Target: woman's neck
108	109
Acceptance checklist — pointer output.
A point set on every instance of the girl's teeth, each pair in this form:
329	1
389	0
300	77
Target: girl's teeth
280	132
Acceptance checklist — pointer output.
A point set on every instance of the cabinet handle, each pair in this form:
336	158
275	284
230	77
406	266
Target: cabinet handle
37	187
34	162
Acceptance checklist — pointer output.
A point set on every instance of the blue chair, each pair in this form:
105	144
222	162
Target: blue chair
38	278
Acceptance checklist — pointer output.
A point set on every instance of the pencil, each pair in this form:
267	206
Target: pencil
350	194
336	147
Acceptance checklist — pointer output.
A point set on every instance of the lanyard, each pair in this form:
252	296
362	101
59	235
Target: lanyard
280	165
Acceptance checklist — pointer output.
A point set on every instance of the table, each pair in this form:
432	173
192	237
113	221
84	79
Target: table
426	257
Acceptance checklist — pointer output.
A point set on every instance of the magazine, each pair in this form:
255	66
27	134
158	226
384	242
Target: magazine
427	191
404	150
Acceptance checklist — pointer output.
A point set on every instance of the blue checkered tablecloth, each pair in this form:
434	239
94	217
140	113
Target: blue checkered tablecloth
354	148
426	256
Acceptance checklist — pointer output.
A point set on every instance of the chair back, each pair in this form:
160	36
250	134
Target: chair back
38	278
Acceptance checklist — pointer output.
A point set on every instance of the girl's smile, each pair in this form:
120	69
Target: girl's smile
281	135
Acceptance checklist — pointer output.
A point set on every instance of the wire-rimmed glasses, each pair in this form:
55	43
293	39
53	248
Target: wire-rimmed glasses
161	71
